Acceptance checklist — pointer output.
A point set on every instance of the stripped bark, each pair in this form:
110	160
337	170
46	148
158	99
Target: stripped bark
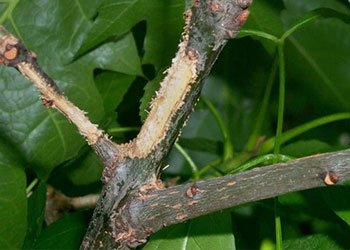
14	54
133	202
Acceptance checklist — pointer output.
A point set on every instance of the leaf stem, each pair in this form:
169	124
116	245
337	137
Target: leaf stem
259	34
209	166
279	245
31	186
228	147
297	26
268	159
11	5
189	160
278	137
267	146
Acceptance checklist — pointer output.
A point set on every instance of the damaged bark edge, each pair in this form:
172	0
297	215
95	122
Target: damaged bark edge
209	24
169	98
14	54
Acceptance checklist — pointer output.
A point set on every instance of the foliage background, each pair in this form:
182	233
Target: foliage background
109	56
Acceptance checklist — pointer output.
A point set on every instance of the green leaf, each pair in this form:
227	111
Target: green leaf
164	27
303	7
337	199
202	144
45	137
150	92
66	233
226	87
35	217
13	201
164	22
316	61
304	203
316	242
58	26
120	56
113	87
265	17
305	148
86	170
208	232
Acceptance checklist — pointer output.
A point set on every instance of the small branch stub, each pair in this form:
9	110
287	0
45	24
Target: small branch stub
331	178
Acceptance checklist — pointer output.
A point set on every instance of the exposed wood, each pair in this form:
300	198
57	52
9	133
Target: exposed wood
14	54
207	30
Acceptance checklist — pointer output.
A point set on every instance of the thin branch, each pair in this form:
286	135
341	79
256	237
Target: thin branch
14	54
58	204
161	208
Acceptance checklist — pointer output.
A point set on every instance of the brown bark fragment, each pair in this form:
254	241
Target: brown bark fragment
216	7
190	203
242	17
154	204
177	206
191	191
180	216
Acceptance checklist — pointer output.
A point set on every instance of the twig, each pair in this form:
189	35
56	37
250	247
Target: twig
58	204
14	54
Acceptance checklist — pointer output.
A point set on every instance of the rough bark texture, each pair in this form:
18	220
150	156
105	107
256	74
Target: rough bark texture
133	202
180	203
208	26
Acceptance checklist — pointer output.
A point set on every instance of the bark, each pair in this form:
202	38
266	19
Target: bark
133	203
179	203
209	24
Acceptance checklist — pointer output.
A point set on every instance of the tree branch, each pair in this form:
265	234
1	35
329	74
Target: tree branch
14	54
58	204
157	209
209	24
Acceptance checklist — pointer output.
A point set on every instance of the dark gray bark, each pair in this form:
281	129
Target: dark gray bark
179	203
